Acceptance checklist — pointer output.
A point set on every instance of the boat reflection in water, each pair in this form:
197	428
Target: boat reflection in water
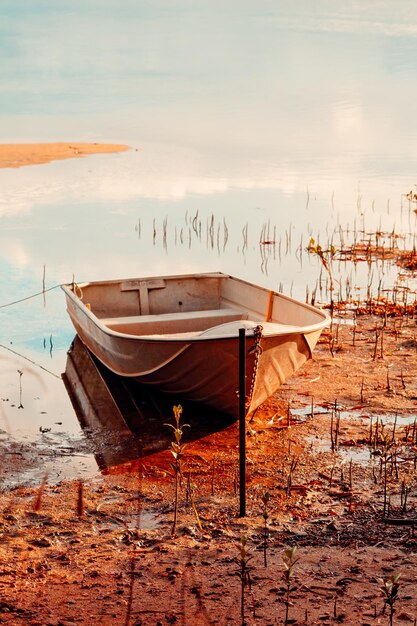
123	419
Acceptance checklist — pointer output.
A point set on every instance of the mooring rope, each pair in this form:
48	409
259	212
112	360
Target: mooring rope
22	356
40	293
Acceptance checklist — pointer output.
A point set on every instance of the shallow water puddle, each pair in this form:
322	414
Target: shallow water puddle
307	411
57	456
353	437
359	454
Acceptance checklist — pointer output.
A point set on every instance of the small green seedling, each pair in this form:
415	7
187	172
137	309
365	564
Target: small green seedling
315	248
177	451
243	572
389	588
290	560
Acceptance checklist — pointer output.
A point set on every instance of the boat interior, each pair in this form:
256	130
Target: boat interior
187	304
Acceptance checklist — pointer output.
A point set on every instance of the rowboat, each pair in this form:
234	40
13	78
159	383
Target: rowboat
181	334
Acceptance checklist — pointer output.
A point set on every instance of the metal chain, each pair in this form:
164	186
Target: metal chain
256	349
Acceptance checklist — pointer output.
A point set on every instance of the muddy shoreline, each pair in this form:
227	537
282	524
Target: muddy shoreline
101	551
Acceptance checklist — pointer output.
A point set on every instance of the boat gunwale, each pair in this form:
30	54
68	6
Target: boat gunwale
157	338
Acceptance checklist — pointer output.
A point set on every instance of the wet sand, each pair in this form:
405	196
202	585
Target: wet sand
21	154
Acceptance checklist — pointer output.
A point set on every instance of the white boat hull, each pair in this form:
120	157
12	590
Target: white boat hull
199	360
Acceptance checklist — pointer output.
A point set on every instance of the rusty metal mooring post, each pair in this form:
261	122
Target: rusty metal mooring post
242	422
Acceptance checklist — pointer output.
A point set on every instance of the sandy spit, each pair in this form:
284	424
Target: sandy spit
18	155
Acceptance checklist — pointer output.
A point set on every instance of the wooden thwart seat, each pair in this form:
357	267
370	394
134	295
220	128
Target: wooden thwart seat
167	323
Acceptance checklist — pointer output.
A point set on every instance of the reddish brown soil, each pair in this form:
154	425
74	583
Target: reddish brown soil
110	557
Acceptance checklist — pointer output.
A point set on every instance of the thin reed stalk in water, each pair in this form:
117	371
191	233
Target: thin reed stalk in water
44	285
20	372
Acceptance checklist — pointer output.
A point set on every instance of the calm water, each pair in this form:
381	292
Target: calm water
257	120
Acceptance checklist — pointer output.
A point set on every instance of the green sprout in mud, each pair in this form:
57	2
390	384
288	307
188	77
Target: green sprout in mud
389	588
290	559
177	451
315	248
243	572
